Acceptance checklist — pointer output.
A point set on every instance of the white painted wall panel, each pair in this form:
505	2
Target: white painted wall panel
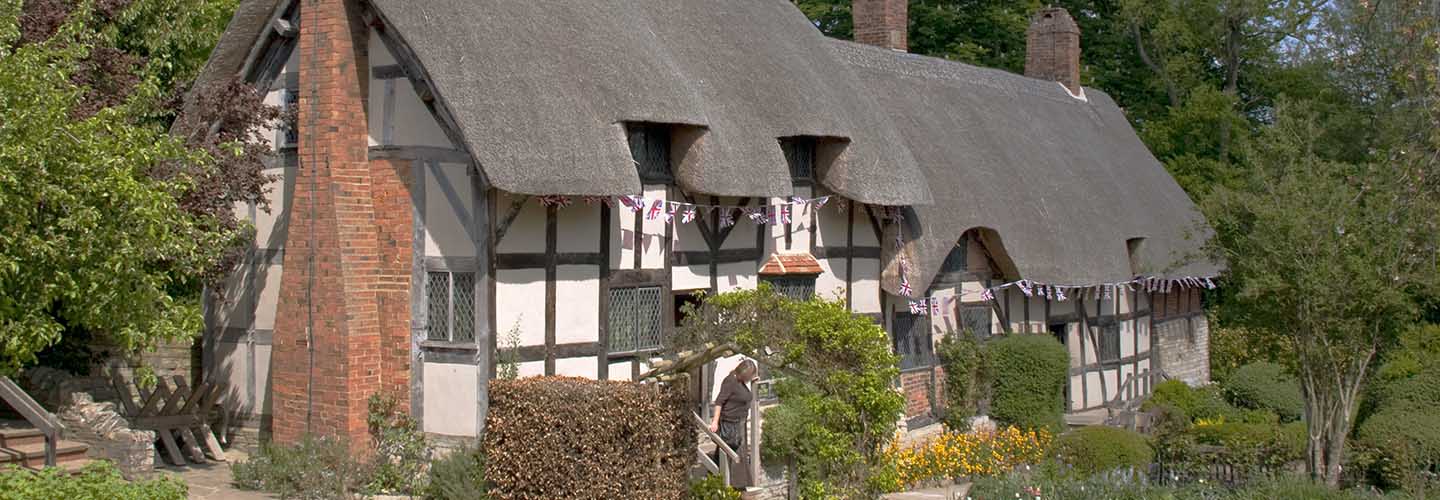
526	233
830	284
531	369
832	224
270	228
737	275
585	367
268	297
413	124
1072	344
620	370
577	305
652	244
231	369
451	392
690	277
866	296
688	236
448	205
520	300
262	377
577	228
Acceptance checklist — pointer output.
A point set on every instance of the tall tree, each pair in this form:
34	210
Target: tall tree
1330	255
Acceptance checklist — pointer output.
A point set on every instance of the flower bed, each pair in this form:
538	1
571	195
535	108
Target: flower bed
954	455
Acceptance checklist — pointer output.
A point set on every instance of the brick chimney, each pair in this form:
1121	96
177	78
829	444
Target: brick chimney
882	23
352	215
1052	48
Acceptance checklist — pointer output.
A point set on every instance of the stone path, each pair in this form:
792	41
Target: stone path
211	481
956	492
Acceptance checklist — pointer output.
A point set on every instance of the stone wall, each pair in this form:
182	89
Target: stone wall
1183	348
97	424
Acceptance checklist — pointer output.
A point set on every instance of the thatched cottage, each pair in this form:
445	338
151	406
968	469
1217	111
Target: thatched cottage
572	172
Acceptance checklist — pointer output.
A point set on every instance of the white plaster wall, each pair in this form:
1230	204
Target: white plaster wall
230	369
577	228
585	367
865	298
830	284
526	233
736	275
449	203
268	297
411	121
690	277
451	392
270	227
235	310
531	368
276	97
1072	343
520	300
577	305
620	370
687	236
653	244
832	221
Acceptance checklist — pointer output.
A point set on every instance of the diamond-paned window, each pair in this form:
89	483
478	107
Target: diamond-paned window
635	319
976	319
451	308
650	148
1109	348
793	287
800	155
912	340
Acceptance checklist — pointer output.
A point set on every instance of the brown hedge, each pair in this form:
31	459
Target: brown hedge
563	437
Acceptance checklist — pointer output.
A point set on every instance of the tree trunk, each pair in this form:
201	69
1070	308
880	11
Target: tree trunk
1328	423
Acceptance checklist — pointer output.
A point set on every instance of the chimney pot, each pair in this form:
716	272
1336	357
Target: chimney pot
1052	48
882	23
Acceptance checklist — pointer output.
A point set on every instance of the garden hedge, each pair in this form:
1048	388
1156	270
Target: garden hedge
1028	373
564	437
96	481
1265	386
1097	449
1400	442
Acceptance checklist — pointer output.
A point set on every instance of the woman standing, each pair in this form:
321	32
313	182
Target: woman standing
732	405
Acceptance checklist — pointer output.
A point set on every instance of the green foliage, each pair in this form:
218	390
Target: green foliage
99	480
1203	404
1401	445
1029	376
1265	386
712	487
564	437
314	469
1098	449
1232	347
459	475
91	241
837	406
1418	348
508	366
1254	447
401	451
966	377
1051	485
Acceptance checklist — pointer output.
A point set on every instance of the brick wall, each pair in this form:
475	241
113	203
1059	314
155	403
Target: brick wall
358	237
916	385
1183	347
882	23
1052	48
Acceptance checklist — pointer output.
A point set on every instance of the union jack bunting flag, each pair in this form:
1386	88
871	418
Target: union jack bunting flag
1060	294
727	217
784	214
688	216
987	294
915	307
905	287
555	200
655	210
820	202
934	308
591	200
635	203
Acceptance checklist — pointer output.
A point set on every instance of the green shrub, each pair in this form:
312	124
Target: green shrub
459	475
966	377
1252	447
314	469
1416	356
1201	404
564	437
401	450
1097	449
99	480
1029	376
1404	443
1265	386
712	487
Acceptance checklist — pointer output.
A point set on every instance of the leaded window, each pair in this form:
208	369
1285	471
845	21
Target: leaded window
450	300
634	323
800	155
650	147
911	334
289	133
976	320
793	287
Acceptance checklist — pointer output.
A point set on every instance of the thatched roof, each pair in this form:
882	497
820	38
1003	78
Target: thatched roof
1064	182
540	91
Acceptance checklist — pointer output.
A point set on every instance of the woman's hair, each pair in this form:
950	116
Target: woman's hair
744	370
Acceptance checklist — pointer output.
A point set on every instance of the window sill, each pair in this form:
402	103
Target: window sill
448	345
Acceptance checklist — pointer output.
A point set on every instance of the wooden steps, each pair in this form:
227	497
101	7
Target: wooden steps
25	447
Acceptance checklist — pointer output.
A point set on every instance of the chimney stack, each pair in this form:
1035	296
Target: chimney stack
1052	48
882	23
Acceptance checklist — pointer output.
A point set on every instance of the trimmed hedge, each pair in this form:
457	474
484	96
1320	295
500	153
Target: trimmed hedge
1029	373
1265	386
965	378
97	481
1255	446
1400	442
1201	404
1097	449
564	437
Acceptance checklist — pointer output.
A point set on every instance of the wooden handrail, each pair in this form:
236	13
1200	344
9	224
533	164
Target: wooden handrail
35	414
719	443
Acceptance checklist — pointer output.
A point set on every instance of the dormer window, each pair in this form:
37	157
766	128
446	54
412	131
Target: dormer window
650	147
800	155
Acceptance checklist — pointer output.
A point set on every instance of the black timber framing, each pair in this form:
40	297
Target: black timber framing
551	260
602	369
510	261
849	255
